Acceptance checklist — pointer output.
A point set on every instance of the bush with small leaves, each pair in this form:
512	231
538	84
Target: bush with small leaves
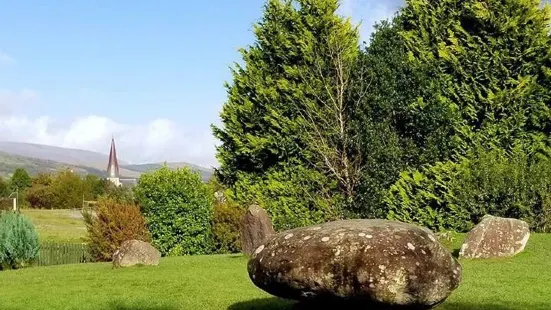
178	208
19	245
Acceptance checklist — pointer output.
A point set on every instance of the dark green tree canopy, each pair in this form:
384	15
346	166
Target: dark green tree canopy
20	179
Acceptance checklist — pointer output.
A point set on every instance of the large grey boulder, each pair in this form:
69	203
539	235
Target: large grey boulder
135	252
376	263
496	237
256	227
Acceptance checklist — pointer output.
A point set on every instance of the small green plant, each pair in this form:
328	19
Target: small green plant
19	246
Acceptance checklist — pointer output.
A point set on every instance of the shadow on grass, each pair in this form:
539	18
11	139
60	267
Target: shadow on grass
264	304
455	253
121	306
487	306
280	304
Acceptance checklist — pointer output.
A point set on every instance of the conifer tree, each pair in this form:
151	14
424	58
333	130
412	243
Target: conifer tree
490	71
266	155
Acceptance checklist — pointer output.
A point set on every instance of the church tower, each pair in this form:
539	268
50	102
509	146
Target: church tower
113	174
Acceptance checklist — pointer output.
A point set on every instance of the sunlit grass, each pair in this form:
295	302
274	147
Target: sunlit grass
221	282
57	225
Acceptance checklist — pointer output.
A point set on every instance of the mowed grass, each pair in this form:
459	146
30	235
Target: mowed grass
58	225
221	282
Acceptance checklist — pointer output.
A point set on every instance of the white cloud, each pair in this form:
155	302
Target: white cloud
368	12
6	60
156	140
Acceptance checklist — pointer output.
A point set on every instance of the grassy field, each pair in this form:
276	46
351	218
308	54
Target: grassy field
57	225
221	282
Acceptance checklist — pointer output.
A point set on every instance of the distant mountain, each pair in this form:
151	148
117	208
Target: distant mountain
9	162
37	158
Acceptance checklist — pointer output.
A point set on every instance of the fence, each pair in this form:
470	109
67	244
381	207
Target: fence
63	253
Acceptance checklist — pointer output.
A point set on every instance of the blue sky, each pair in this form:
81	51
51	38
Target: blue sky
72	73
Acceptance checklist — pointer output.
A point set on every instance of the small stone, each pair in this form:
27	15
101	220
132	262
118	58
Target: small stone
136	252
496	237
256	228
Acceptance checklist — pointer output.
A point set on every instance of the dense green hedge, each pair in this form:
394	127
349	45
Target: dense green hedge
455	196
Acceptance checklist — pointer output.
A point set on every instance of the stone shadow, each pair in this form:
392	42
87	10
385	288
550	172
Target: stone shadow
264	304
489	306
280	304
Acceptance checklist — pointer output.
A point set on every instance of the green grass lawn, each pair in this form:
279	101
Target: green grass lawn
221	282
57	225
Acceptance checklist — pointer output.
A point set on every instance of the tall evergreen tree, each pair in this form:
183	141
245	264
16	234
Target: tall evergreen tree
489	69
265	155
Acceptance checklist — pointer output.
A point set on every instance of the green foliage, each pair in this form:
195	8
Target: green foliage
488	63
428	198
110	224
94	187
178	210
4	188
41	195
69	189
20	180
18	241
226	220
264	151
293	197
455	196
66	190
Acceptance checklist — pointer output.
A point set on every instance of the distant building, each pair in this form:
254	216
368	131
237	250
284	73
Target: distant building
113	173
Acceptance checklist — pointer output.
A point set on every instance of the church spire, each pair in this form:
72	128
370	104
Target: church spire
113	166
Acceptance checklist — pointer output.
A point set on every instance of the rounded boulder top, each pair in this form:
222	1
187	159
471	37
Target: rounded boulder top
374	262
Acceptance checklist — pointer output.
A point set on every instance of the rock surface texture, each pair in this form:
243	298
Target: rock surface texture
375	263
135	252
496	237
256	228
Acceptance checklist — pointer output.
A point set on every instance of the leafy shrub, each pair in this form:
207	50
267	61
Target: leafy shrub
178	208
19	245
293	197
455	196
111	224
226	220
41	195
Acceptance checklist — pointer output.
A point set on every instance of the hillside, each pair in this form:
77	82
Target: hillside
9	162
36	158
